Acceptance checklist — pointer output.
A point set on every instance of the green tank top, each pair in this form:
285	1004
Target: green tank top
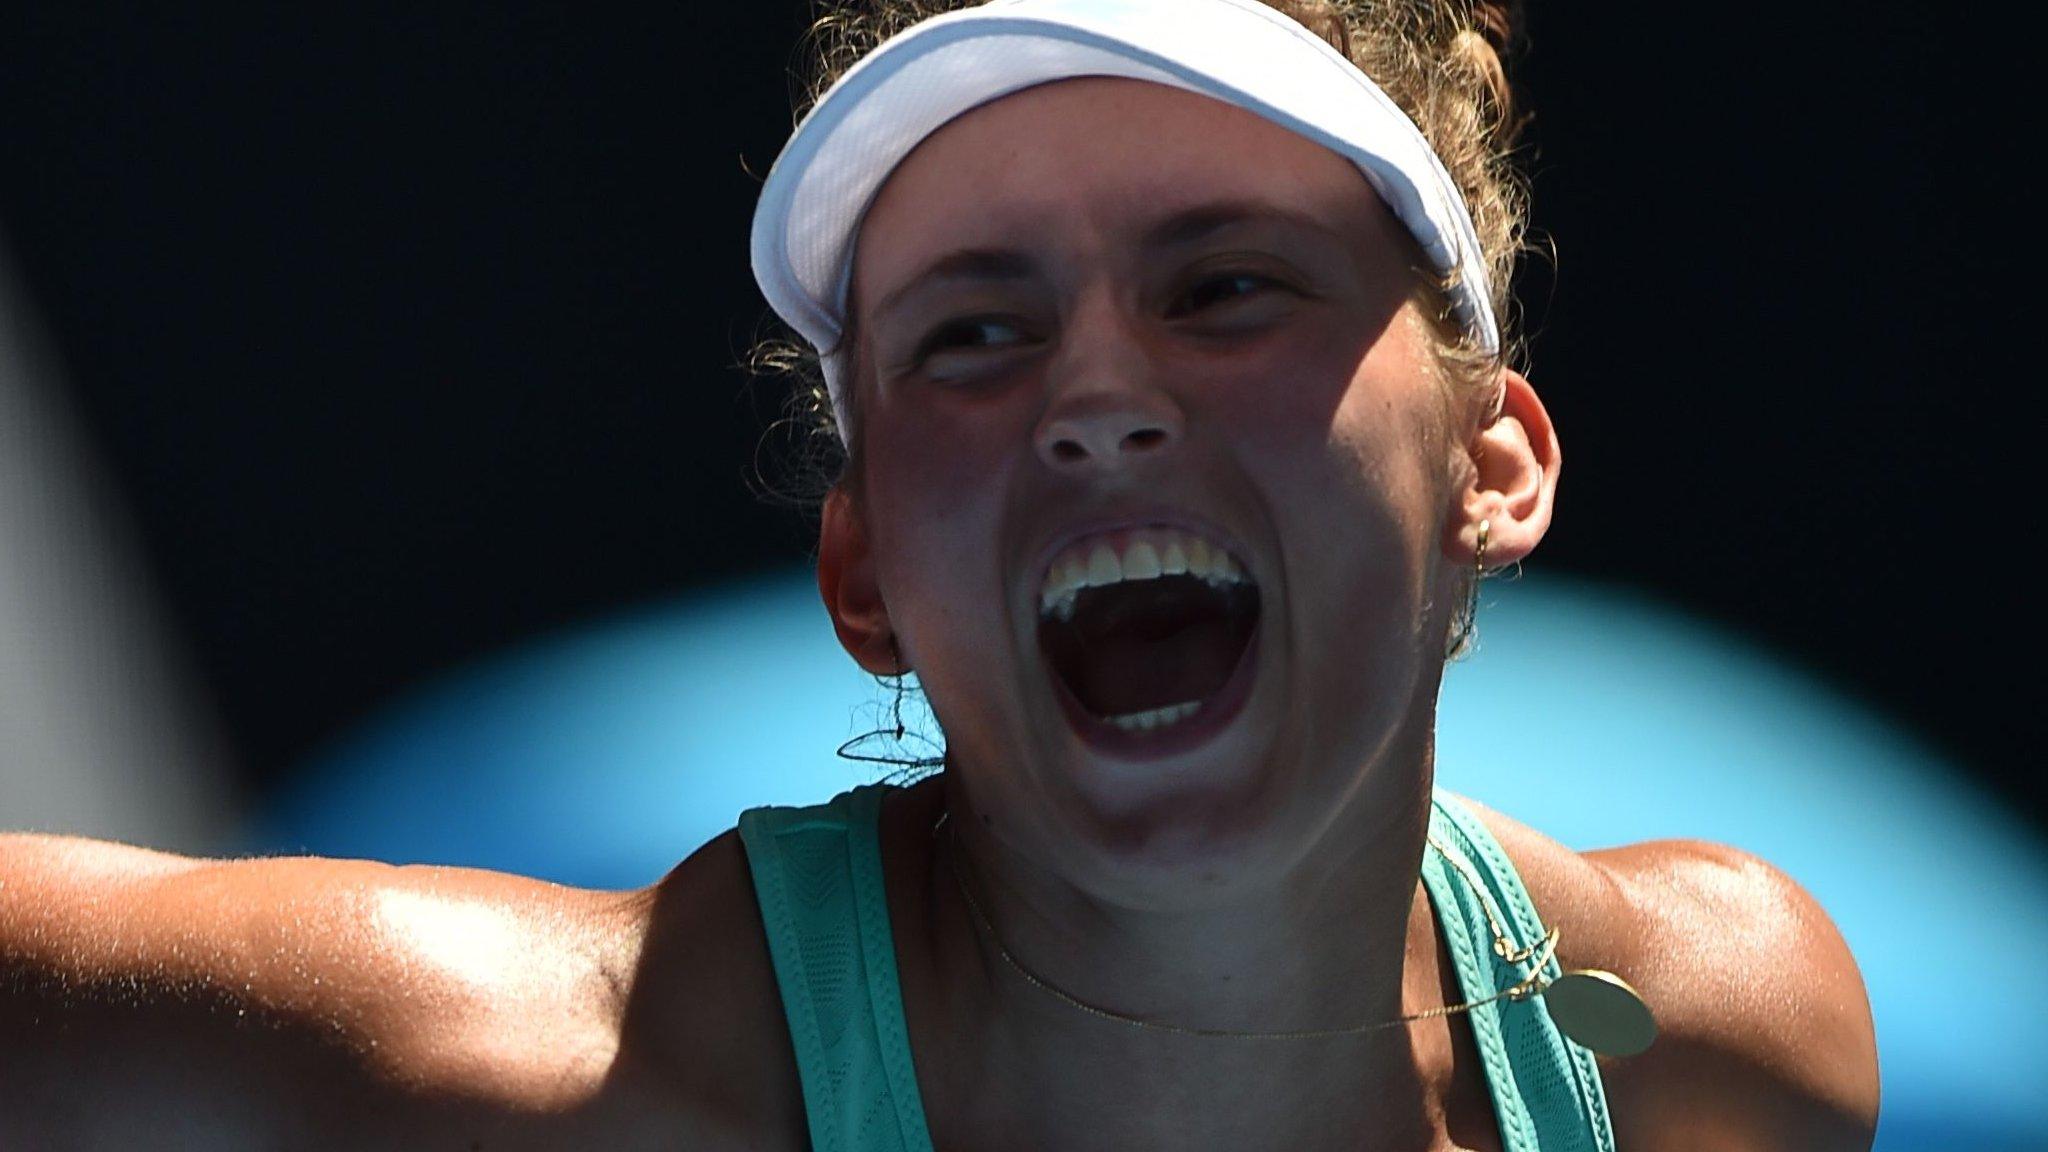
818	876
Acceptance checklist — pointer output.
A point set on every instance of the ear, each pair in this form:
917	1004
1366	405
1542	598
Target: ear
846	581
1512	483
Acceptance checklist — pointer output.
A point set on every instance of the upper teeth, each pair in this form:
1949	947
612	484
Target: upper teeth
1147	554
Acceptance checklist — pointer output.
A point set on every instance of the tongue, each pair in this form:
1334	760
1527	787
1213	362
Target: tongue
1138	646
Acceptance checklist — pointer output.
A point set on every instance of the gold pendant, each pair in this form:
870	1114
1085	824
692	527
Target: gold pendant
1599	1010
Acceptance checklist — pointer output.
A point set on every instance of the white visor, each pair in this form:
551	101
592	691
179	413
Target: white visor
1238	51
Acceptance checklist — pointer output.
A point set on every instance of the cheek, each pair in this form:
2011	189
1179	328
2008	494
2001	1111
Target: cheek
1318	408
934	488
1344	430
932	493
922	464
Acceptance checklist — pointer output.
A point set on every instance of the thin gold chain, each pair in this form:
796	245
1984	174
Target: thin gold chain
1530	985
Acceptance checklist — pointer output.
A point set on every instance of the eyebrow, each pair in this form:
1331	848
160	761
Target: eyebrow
984	265
1002	265
1204	220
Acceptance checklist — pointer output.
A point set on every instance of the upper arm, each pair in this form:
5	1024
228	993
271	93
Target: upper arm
1766	1039
250	999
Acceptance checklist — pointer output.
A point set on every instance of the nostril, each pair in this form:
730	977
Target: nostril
1073	450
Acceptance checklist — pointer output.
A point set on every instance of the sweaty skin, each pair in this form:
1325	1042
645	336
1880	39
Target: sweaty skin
1266	372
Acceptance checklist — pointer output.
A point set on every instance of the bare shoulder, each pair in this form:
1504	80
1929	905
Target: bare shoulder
706	1008
1765	1036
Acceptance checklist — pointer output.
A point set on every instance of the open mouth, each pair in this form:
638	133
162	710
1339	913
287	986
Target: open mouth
1142	656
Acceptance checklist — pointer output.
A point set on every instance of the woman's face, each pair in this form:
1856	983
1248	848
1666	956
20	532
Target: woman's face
1103	303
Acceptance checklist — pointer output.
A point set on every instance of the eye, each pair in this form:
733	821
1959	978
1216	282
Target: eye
1213	290
969	334
971	346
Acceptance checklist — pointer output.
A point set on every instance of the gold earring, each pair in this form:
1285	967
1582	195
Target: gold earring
1460	641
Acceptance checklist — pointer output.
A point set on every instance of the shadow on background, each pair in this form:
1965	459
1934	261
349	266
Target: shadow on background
604	757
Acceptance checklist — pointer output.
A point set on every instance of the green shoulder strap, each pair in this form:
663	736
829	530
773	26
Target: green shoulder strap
818	878
1546	1089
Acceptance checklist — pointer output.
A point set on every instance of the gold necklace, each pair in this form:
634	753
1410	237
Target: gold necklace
1597	1009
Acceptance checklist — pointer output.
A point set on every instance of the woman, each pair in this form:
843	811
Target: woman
1165	355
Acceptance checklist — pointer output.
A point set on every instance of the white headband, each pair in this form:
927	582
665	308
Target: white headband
1238	51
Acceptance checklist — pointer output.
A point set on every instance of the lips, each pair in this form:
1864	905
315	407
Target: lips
1147	628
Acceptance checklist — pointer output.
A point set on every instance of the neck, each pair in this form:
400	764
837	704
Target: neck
1251	938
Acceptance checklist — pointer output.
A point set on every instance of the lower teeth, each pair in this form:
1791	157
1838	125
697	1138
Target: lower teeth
1156	718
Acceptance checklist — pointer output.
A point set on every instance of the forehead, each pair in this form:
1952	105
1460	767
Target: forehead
1094	154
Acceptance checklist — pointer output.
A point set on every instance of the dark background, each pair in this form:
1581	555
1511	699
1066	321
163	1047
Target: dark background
411	331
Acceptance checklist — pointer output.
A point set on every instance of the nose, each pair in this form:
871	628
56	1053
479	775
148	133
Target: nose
1105	408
